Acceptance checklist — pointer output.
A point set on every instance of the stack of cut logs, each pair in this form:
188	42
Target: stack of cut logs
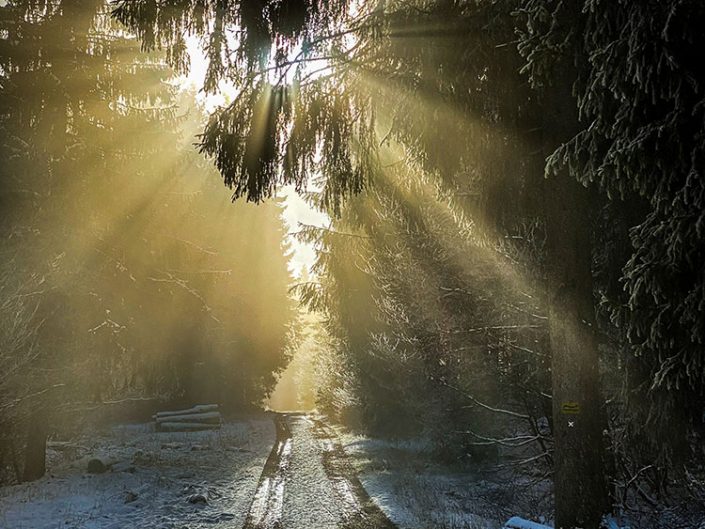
201	417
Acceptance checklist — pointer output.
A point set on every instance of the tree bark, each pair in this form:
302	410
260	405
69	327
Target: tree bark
581	494
579	419
36	447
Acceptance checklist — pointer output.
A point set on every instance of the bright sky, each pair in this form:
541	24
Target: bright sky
296	210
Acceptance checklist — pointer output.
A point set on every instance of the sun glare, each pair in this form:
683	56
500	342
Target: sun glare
193	81
296	210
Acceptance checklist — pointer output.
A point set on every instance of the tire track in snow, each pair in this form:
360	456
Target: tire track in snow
360	511
268	503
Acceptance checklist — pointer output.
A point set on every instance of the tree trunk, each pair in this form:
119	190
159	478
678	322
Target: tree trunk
579	419
578	415
35	449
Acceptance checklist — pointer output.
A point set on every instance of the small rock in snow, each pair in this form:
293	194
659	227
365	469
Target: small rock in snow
130	496
198	499
96	466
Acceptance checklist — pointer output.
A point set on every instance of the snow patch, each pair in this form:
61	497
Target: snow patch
151	482
519	523
415	492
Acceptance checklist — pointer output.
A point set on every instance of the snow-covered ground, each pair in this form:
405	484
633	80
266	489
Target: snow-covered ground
208	479
157	480
417	493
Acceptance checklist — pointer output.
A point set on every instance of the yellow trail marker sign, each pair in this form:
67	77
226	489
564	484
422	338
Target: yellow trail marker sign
570	408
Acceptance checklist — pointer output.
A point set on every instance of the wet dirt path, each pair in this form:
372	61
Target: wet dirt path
308	482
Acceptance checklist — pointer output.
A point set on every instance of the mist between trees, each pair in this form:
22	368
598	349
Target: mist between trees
126	272
513	268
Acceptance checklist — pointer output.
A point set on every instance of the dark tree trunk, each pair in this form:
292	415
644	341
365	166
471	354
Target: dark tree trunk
581	490
581	493
35	449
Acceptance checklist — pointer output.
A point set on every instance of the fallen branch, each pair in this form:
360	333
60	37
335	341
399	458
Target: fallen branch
521	440
185	426
206	418
200	408
16	401
481	404
525	461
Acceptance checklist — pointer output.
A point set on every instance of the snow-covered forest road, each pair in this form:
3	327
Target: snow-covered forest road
308	482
